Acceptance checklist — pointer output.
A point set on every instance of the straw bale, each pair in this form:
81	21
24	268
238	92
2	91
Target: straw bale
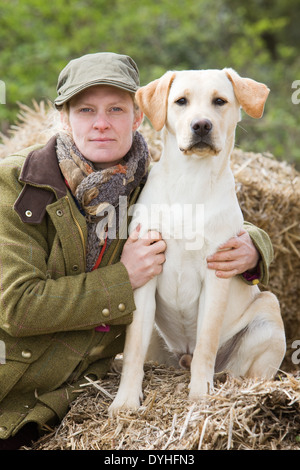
269	196
34	125
239	415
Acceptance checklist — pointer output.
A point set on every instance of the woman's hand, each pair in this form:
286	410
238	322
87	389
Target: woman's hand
143	257
236	256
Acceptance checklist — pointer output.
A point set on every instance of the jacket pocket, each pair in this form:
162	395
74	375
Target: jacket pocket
19	353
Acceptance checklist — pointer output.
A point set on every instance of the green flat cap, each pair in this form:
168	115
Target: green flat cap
102	68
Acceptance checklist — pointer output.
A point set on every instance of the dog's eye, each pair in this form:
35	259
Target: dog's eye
219	101
181	101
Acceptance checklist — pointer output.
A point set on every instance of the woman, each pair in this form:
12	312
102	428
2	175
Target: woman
66	284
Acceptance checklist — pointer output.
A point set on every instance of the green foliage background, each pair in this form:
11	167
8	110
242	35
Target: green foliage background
259	38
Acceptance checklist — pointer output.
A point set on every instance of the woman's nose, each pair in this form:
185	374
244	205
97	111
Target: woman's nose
101	122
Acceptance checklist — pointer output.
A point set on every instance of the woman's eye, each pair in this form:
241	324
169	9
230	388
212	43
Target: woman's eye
116	109
181	101
85	110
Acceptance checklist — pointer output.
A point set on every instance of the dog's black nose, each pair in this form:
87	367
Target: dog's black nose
201	127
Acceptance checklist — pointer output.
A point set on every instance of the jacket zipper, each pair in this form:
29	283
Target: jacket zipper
79	229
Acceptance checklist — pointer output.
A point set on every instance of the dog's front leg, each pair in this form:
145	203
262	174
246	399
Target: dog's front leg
212	307
138	335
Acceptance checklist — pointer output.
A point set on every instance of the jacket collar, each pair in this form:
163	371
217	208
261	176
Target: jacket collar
43	182
41	168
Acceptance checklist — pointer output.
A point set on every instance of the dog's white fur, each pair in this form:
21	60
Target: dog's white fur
196	313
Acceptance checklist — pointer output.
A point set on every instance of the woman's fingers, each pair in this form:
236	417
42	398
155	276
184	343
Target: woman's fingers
143	256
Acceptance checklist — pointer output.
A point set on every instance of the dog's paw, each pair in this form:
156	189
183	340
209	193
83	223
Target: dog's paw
198	391
122	403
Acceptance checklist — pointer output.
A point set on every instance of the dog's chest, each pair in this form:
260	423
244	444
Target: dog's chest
180	283
177	299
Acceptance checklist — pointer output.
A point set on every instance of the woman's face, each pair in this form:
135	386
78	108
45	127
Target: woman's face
102	120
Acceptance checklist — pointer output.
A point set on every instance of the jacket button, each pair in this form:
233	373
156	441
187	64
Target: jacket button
28	214
59	212
3	428
105	312
75	267
121	307
26	354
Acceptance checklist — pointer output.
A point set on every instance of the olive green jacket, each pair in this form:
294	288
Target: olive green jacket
49	305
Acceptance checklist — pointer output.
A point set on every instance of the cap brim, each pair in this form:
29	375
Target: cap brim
62	99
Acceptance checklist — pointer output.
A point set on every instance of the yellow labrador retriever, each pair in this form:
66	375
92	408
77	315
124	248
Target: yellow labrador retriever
190	198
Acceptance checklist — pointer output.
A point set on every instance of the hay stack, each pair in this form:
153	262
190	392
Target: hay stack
238	416
34	125
269	196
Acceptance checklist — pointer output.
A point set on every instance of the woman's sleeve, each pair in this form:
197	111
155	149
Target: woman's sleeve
262	242
31	303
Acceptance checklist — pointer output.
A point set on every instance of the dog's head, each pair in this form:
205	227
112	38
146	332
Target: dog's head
201	108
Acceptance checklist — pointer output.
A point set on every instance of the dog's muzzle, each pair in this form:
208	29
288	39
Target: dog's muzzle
201	137
201	130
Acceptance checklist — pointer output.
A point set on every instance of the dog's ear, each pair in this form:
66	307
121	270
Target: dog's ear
250	94
153	99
